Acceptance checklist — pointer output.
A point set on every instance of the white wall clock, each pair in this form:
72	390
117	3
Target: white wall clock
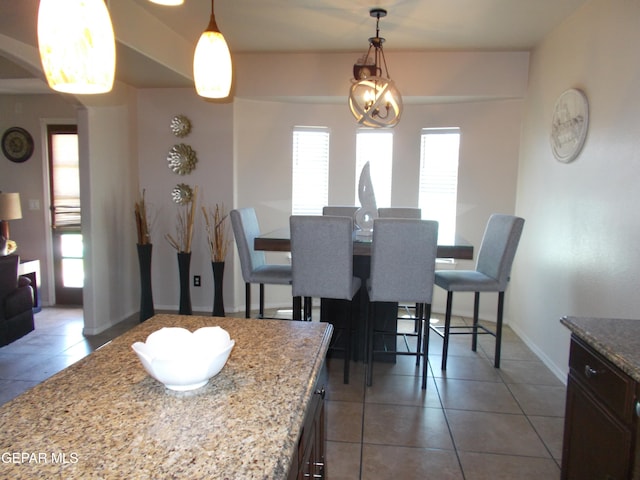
569	125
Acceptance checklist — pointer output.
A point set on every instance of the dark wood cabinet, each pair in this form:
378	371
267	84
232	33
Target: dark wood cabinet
601	419
309	459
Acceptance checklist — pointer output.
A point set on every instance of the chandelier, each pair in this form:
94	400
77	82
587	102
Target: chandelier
374	99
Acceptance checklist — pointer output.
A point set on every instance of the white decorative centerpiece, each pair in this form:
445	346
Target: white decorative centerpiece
368	211
183	360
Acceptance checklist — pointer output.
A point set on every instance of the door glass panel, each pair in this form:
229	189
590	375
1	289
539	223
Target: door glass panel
72	265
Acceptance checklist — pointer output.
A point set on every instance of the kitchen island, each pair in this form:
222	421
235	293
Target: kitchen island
105	417
602	430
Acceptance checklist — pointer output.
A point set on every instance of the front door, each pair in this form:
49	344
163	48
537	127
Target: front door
66	219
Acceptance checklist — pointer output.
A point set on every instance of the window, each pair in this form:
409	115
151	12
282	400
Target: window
439	151
376	147
310	173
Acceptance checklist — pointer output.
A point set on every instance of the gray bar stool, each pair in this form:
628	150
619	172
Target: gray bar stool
403	262
253	263
322	267
339	210
493	267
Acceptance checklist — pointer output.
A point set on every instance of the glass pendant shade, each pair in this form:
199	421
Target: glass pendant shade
375	102
212	70
77	45
168	2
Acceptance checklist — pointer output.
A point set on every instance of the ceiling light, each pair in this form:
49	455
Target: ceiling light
212	63
374	99
77	45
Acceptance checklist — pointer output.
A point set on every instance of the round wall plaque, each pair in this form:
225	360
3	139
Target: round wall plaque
569	125
17	144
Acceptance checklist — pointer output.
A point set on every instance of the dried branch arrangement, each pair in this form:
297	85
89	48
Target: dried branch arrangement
142	221
217	232
184	226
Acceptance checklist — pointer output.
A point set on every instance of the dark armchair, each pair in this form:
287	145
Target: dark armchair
16	301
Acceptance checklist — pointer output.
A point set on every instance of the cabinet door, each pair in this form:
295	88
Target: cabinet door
596	445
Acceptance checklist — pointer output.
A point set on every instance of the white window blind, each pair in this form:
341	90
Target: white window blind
439	152
310	171
375	147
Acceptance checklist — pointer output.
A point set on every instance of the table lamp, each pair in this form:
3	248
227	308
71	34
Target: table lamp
9	210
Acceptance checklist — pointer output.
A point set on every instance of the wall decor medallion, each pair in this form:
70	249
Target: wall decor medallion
182	159
569	125
17	144
180	126
182	194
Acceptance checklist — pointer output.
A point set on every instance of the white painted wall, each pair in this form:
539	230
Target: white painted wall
579	253
212	139
30	178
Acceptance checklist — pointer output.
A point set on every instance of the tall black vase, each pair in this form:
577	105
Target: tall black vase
146	294
218	301
184	264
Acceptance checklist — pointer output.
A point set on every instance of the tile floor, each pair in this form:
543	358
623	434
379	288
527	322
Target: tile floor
473	422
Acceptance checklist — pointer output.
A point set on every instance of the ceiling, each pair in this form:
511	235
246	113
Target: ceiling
283	26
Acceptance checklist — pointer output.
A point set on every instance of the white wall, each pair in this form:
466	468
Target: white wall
30	178
212	139
579	252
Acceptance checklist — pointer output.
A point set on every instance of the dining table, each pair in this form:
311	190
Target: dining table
280	241
386	318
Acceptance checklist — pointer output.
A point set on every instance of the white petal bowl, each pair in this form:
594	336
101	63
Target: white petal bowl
183	360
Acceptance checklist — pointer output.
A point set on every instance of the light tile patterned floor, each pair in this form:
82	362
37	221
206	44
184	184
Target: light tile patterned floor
473	422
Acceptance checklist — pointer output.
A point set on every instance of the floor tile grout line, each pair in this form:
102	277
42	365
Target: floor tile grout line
446	419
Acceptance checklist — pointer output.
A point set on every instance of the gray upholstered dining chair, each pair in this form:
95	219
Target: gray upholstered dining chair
399	212
253	263
403	212
403	260
493	267
322	267
339	210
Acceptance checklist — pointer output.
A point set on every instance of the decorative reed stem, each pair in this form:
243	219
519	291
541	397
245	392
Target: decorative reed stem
217	232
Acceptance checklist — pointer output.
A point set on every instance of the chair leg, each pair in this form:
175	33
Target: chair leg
496	361
418	330
261	315
447	328
476	308
370	329
247	300
306	309
426	310
347	341
297	308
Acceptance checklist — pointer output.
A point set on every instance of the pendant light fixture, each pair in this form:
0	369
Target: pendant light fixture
212	71
374	99
77	45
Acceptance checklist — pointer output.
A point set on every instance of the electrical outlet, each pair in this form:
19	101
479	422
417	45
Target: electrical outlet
196	280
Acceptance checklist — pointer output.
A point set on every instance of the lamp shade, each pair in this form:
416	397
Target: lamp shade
10	206
212	71
77	45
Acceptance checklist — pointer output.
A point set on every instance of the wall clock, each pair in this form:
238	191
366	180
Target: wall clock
569	125
17	144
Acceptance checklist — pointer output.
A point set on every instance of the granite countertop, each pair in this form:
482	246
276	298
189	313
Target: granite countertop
618	340
105	417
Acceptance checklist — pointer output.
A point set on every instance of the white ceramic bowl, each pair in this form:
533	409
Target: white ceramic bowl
183	360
